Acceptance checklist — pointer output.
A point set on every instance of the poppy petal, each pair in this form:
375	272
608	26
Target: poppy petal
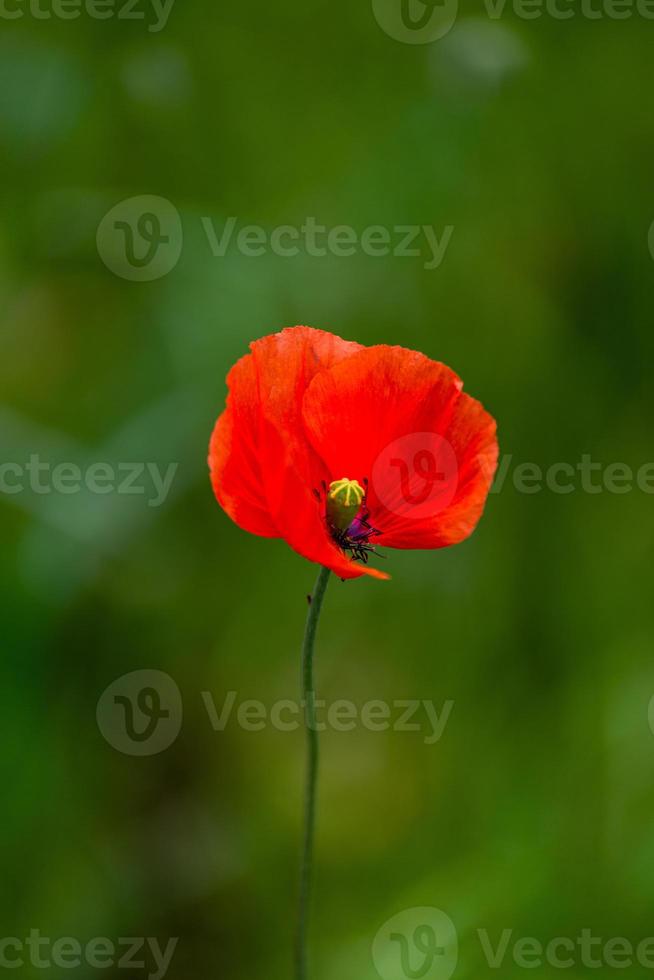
286	363
234	455
471	435
382	415
263	469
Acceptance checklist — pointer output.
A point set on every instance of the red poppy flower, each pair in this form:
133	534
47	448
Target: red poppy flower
339	448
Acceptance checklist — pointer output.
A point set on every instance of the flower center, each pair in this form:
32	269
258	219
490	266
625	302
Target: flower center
346	516
344	499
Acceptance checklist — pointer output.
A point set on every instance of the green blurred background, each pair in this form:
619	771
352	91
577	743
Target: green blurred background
535	141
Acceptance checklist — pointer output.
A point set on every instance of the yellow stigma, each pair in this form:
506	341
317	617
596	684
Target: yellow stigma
343	502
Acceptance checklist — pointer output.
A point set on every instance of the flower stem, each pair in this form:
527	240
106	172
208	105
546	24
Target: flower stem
309	693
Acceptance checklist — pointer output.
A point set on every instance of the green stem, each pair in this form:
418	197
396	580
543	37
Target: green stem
309	693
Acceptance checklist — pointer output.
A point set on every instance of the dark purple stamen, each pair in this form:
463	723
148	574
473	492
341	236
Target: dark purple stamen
356	537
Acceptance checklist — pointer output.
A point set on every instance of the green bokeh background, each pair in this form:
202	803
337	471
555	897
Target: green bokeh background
532	138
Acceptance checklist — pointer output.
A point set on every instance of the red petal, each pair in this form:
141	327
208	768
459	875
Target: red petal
384	413
472	436
298	514
234	455
263	468
286	364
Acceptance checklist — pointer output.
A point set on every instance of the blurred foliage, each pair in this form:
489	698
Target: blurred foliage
534	139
